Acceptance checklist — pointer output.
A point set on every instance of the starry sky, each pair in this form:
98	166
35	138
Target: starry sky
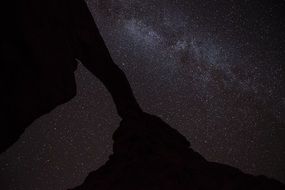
213	70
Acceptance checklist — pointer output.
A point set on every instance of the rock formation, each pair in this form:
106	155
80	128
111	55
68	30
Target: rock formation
150	155
40	45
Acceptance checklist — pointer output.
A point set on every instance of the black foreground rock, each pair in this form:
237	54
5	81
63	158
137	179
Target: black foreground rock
150	155
41	45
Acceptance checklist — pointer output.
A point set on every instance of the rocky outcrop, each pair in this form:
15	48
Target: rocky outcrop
150	155
40	45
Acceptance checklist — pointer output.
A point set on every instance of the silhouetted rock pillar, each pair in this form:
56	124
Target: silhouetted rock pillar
95	56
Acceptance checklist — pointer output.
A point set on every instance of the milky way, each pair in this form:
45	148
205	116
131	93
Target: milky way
214	70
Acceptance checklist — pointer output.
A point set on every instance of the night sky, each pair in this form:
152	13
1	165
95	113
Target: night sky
213	70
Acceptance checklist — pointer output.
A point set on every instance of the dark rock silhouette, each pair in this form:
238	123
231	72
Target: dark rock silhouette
150	155
40	43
